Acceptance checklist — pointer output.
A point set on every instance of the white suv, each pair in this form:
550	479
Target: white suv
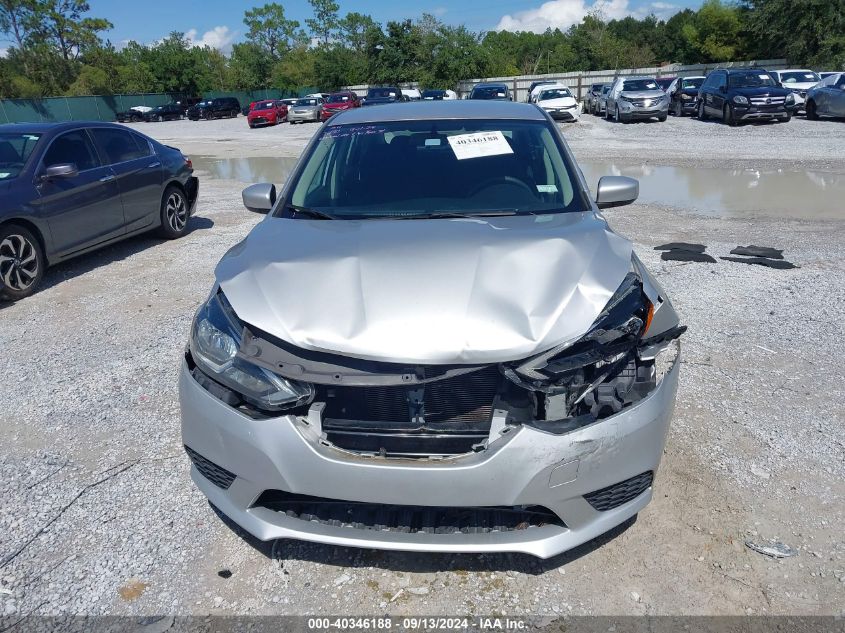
798	81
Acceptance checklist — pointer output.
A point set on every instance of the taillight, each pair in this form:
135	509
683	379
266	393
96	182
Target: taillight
188	162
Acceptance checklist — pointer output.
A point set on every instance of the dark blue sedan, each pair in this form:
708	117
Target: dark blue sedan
70	188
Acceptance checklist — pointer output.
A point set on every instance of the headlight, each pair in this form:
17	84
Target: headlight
686	97
790	98
214	343
740	100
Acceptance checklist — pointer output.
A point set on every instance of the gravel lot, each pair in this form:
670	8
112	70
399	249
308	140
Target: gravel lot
99	515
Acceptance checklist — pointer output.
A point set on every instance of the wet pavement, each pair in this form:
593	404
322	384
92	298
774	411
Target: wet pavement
800	194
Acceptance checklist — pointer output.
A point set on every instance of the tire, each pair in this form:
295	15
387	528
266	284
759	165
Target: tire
784	119
811	111
662	118
728	116
679	109
702	115
159	118
618	116
175	213
22	262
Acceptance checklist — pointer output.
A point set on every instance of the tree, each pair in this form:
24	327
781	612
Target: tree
61	23
714	34
810	33
272	31
249	67
352	30
325	22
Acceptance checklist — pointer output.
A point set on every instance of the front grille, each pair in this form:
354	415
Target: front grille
217	475
768	100
621	493
407	519
464	398
444	417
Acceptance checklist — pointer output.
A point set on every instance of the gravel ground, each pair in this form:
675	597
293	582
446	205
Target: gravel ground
99	514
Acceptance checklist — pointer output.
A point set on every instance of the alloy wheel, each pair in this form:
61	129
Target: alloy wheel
18	262
176	211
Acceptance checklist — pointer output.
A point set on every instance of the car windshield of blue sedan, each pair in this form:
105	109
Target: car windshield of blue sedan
750	80
414	169
489	92
15	149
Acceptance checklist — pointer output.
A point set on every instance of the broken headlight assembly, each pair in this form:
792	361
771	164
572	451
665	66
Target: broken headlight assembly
603	371
215	339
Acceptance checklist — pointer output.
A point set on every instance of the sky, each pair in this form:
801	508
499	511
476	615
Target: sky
219	23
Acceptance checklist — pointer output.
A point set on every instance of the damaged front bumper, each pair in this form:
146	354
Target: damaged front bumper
528	489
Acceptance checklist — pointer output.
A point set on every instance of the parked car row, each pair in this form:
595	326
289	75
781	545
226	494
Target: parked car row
733	95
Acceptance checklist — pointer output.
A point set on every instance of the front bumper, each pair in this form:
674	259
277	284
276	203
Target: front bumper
564	114
634	112
747	113
525	467
310	116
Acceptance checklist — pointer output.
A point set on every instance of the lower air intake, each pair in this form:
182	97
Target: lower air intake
217	475
405	518
621	493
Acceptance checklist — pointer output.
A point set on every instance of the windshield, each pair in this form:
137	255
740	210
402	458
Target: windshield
605	90
800	77
471	167
556	93
489	92
692	84
338	99
264	105
749	80
433	94
640	84
15	149
306	102
382	93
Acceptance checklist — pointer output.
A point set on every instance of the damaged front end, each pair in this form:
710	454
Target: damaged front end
395	410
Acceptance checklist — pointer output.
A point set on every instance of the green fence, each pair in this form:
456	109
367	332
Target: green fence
106	107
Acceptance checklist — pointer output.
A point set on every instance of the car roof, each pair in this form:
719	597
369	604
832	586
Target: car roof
794	70
436	110
692	77
492	84
54	127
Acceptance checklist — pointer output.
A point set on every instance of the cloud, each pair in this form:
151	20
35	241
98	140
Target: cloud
220	37
4	52
562	14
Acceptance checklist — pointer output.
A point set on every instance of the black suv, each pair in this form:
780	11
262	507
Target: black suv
169	112
215	109
738	95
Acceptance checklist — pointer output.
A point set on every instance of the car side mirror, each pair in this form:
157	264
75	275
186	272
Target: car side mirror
61	170
259	198
616	191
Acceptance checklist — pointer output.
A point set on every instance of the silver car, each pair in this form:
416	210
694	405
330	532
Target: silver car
433	342
307	109
827	98
636	98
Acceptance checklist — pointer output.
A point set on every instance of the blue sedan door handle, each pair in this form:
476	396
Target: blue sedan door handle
152	165
107	178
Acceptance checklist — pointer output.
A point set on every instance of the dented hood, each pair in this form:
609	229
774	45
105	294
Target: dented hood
446	291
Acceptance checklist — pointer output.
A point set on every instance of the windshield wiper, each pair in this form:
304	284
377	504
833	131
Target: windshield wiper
314	213
439	215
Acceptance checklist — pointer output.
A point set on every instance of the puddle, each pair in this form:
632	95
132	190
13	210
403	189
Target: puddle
246	170
719	192
734	192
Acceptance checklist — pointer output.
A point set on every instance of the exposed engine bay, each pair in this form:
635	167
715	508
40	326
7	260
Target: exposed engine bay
395	410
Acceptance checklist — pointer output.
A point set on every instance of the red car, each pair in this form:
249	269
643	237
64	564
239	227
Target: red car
339	101
267	113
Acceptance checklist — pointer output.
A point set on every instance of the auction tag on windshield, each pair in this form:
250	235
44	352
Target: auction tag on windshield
479	144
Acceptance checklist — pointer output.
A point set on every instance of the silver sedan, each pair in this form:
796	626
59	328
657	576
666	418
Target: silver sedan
434	342
308	109
827	98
